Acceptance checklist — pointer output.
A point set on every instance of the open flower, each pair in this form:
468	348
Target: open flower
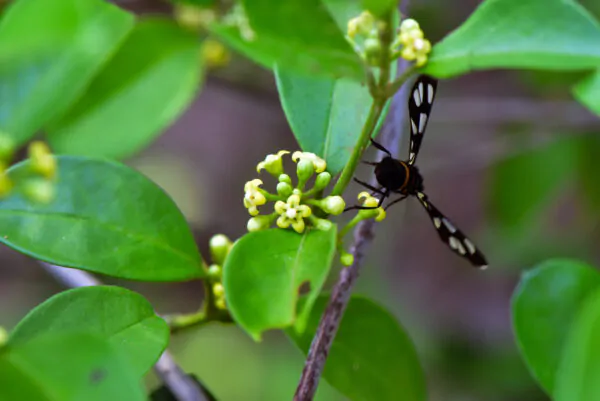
370	201
272	163
414	45
318	163
253	196
292	213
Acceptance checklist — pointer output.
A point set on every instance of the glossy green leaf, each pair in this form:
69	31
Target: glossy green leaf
266	270
379	7
298	35
39	85
148	83
539	34
66	367
543	308
106	218
123	317
521	184
372	357
325	114
587	92
577	376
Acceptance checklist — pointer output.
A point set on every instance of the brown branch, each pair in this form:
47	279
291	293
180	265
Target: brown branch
181	385
363	234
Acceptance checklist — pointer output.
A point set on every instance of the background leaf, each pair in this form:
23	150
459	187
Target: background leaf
37	86
298	35
372	357
521	184
577	378
587	92
587	164
543	34
122	317
265	271
106	218
544	306
147	84
66	367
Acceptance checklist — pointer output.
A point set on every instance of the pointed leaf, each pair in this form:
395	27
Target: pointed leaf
66	367
588	92
265	271
543	308
577	376
106	218
372	357
122	317
148	83
540	34
37	86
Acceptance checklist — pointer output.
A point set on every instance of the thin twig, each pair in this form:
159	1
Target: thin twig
363	234
181	385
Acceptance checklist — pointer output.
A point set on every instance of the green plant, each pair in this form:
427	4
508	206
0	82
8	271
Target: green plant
100	84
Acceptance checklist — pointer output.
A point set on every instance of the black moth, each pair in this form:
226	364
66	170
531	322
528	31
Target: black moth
402	177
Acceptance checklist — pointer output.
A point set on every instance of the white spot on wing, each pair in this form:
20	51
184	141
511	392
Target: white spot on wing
422	122
470	246
421	195
449	225
430	93
417	99
414	126
420	89
483	267
412	156
454	242
461	249
437	222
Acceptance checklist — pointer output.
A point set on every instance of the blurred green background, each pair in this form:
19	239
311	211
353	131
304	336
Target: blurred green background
509	156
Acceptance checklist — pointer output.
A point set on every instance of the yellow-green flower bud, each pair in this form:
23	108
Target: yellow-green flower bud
346	258
39	190
42	160
215	54
305	170
6	183
219	248
322	180
218	290
273	163
220	303
215	272
333	205
258	223
321	224
370	201
373	51
284	189
7	147
285	178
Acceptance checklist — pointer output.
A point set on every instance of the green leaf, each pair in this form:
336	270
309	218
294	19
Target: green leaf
372	357
324	114
577	376
587	92
66	367
521	184
265	271
298	35
122	317
148	83
544	305
540	34
106	218
379	7
37	86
